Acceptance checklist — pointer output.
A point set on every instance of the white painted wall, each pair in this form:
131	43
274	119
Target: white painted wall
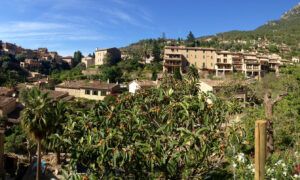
133	86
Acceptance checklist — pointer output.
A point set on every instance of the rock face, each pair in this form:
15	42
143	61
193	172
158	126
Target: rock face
293	13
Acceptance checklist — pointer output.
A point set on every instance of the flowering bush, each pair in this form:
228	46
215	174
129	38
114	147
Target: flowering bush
279	165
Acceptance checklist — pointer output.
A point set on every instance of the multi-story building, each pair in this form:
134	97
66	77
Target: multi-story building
180	57
101	54
209	60
95	90
31	64
224	63
88	61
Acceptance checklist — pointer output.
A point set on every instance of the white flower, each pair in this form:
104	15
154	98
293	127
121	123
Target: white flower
273	179
296	176
253	170
241	157
234	165
283	165
250	166
284	173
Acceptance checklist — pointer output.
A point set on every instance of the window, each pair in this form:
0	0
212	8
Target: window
225	55
187	55
95	93
211	64
218	60
195	56
225	60
195	63
211	57
203	51
203	57
187	50
87	92
204	65
103	93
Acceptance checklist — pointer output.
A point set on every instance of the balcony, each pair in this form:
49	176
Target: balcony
237	68
173	57
172	64
237	61
251	62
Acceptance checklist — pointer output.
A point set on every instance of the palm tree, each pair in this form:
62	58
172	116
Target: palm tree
193	72
36	119
60	116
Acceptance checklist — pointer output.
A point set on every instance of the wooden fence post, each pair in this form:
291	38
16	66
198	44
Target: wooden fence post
260	149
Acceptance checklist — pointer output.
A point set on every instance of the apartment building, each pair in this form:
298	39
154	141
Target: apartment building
181	57
88	61
100	55
209	60
95	90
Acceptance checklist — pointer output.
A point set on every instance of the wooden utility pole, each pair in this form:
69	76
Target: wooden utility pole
260	149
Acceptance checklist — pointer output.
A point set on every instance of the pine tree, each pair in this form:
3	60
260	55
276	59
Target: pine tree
190	37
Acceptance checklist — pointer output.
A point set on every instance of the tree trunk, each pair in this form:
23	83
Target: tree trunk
38	167
270	130
29	151
57	157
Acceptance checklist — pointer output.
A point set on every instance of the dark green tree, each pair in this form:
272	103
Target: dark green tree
177	74
77	57
113	74
156	52
190	37
154	76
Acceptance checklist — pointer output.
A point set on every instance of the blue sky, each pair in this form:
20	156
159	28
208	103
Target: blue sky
69	25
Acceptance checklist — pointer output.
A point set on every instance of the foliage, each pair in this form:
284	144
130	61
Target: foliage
170	132
192	72
77	57
156	52
190	37
130	65
113	74
177	74
72	74
273	49
154	76
10	71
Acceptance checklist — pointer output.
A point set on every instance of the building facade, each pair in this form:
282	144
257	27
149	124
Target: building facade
181	57
95	90
31	64
88	61
101	54
69	60
212	61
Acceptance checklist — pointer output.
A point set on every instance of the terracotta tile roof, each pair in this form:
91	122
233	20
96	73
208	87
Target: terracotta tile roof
96	85
5	100
5	91
55	94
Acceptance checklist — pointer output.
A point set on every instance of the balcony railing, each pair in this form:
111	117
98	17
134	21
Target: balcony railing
172	58
251	62
172	64
237	62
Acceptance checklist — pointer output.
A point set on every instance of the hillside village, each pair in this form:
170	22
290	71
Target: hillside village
202	95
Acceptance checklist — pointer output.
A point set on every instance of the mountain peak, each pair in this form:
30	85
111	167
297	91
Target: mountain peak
294	12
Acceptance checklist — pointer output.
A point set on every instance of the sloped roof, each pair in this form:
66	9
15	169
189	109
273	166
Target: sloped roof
5	100
96	85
